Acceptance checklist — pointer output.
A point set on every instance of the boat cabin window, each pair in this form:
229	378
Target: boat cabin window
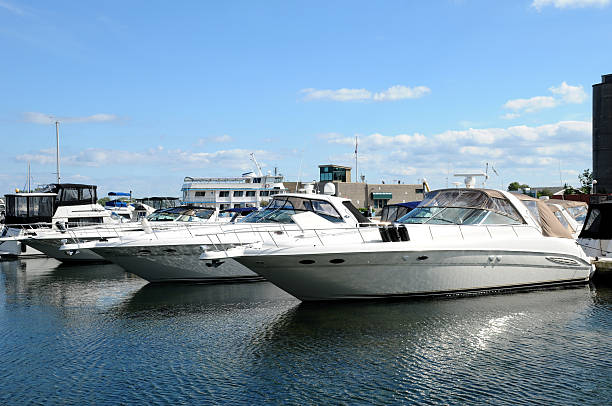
280	210
22	209
463	207
84	221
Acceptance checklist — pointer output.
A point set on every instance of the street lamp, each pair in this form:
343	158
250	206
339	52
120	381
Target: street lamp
593	186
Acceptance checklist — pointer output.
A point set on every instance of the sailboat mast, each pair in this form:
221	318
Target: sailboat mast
57	150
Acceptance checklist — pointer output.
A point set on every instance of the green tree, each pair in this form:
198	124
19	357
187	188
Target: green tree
514	186
103	200
544	192
586	181
568	190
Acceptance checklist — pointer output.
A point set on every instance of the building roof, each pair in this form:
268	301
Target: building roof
335	166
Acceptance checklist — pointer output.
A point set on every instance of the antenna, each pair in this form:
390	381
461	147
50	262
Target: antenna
57	150
256	164
470	178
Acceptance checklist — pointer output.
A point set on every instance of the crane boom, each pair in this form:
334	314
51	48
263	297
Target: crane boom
256	164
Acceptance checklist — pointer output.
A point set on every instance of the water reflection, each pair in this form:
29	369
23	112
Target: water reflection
47	281
95	334
503	348
199	297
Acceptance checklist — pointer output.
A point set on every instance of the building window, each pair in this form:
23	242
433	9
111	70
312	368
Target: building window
380	203
264	193
237	205
238	193
200	194
326	176
418	190
224	206
224	193
250	193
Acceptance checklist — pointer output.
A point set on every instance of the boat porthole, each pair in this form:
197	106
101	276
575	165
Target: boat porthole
170	251
144	252
336	261
307	261
422	257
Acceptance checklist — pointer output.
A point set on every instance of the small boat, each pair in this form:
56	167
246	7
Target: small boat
122	207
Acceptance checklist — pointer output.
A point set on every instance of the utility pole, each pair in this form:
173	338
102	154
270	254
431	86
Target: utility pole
57	150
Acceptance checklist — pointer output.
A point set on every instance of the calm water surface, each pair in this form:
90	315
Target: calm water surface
96	335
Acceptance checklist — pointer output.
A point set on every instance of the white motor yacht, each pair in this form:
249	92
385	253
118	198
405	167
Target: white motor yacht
172	255
456	241
49	240
56	207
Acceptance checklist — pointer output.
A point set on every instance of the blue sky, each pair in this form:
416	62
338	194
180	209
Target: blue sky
150	92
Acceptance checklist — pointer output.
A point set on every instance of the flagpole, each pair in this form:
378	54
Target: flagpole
356	167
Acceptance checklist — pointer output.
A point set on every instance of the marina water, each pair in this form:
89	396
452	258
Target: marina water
96	335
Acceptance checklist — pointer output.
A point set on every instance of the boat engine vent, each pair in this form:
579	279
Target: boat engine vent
393	233
563	261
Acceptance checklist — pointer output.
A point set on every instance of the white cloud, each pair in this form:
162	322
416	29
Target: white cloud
43	118
510	116
562	94
569	94
482	151
11	7
336	95
237	159
540	4
515	150
221	139
397	92
530	105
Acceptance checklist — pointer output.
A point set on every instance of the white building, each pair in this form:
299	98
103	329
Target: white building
224	193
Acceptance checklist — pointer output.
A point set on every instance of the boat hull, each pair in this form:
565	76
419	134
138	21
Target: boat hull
176	263
372	275
51	248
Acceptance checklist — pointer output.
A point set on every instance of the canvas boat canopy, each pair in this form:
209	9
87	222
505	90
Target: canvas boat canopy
598	223
544	216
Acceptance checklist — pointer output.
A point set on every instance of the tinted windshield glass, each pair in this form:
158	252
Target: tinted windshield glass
462	207
280	210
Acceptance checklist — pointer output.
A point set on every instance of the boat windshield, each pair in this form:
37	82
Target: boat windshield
463	207
181	214
578	213
282	208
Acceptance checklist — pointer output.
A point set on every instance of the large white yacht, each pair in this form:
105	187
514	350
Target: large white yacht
58	206
249	190
49	240
456	241
172	255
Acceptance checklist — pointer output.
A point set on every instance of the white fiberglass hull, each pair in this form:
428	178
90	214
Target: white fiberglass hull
175	263
51	248
404	269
